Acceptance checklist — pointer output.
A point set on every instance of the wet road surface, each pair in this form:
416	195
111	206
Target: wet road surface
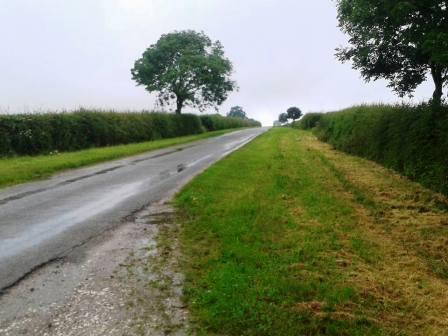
43	221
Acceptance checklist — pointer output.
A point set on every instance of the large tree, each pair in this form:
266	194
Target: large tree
187	68
237	112
402	41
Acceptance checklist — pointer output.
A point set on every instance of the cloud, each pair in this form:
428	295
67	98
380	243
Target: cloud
64	54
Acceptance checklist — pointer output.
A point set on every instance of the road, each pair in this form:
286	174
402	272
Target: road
43	221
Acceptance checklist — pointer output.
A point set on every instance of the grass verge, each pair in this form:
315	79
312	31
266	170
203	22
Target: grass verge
29	168
412	140
288	237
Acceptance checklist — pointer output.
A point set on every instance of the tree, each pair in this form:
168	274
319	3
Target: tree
185	67
294	113
400	41
283	118
237	112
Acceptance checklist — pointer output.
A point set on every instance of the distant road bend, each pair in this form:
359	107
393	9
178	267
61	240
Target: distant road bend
43	221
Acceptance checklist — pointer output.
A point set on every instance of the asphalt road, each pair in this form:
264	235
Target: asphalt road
43	221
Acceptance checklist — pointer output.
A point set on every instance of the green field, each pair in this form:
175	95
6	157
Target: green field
289	237
28	168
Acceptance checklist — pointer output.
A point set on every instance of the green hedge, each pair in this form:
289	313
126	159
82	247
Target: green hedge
216	122
32	134
308	121
412	140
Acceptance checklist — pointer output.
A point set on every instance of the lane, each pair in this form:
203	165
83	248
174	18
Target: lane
43	221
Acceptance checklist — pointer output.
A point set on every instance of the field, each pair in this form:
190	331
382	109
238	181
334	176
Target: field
290	237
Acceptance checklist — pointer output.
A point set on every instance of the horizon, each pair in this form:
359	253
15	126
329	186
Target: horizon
72	55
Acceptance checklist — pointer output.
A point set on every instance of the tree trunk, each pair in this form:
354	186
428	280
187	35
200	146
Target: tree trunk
436	73
180	104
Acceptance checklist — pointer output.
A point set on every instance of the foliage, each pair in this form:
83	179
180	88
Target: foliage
410	140
294	113
186	67
283	118
400	41
309	121
32	134
237	112
215	122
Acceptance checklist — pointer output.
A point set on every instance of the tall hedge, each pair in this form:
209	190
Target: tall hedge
412	140
308	121
31	134
215	122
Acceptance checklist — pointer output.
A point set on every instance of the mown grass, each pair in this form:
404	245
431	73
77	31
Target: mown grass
29	168
260	235
280	238
412	140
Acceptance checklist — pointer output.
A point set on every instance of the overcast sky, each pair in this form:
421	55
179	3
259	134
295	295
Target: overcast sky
62	54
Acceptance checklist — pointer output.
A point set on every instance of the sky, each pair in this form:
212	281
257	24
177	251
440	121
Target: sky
64	54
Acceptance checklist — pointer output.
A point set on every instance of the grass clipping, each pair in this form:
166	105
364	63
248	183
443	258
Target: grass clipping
289	237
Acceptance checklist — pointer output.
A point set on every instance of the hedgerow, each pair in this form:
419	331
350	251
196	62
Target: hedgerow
412	140
216	122
32	134
308	121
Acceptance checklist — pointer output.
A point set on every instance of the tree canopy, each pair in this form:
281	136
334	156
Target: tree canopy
400	41
294	113
283	117
187	68
237	112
